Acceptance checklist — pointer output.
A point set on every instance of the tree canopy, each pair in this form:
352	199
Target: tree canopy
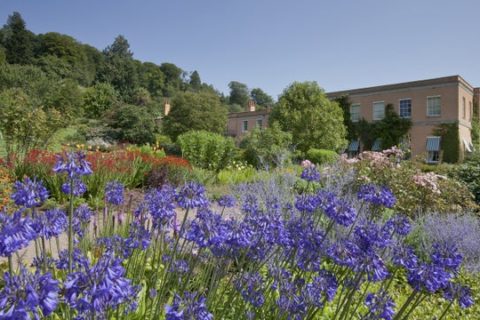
195	111
314	121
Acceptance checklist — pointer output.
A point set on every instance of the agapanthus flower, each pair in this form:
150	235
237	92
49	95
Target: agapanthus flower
344	253
398	224
73	164
446	256
455	291
160	204
80	261
404	256
114	192
381	196
27	295
428	277
192	195
51	223
307	203
250	204
16	232
310	174
188	307
81	219
139	237
79	187
100	288
380	306
322	289
29	193
251	287
227	201
337	209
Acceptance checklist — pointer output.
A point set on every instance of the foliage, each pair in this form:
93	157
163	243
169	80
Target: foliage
322	156
132	124
195	111
462	229
207	150
390	130
449	142
262	99
24	126
418	192
98	99
238	93
314	121
469	173
18	41
5	186
352	132
476	124
267	148
170	170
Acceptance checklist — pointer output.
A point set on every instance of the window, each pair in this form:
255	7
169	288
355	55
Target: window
245	126
406	108
433	106
464	108
433	149
355	112
259	123
378	110
353	148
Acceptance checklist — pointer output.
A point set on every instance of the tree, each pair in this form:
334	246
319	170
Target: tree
314	121
18	41
98	99
195	111
195	82
132	124
120	68
268	147
152	78
261	98
238	93
173	78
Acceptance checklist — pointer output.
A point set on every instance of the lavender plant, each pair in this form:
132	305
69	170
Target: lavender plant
325	253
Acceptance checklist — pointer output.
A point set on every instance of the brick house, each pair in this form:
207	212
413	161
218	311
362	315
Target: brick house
240	123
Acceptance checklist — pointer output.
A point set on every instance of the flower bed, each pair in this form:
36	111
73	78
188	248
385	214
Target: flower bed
325	254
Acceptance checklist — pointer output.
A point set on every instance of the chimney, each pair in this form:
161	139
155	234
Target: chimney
251	105
166	107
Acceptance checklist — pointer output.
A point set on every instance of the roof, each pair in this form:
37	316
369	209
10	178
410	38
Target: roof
403	85
248	113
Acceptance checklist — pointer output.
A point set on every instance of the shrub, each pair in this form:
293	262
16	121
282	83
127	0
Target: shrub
171	170
322	156
469	173
207	150
267	148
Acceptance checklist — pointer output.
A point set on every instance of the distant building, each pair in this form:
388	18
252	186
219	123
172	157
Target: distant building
240	123
428	103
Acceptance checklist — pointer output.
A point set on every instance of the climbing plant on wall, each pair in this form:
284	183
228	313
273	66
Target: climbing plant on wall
449	142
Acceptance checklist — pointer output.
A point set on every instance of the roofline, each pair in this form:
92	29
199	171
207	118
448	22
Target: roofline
403	85
244	113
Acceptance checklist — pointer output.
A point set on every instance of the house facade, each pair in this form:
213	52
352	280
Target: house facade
427	103
240	123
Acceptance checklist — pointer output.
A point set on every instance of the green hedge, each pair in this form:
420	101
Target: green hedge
322	156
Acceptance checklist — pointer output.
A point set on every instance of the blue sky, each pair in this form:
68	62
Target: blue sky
340	44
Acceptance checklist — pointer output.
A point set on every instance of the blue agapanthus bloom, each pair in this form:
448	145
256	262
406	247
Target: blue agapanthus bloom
192	195
404	256
251	287
190	307
114	192
29	193
27	295
100	288
80	261
380	306
16	232
380	196
73	164
51	223
399	225
428	277
322	289
310	174
307	203
79	187
446	256
227	201
81	219
336	209
160	203
455	291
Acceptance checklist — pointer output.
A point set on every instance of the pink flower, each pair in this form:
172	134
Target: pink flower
307	164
